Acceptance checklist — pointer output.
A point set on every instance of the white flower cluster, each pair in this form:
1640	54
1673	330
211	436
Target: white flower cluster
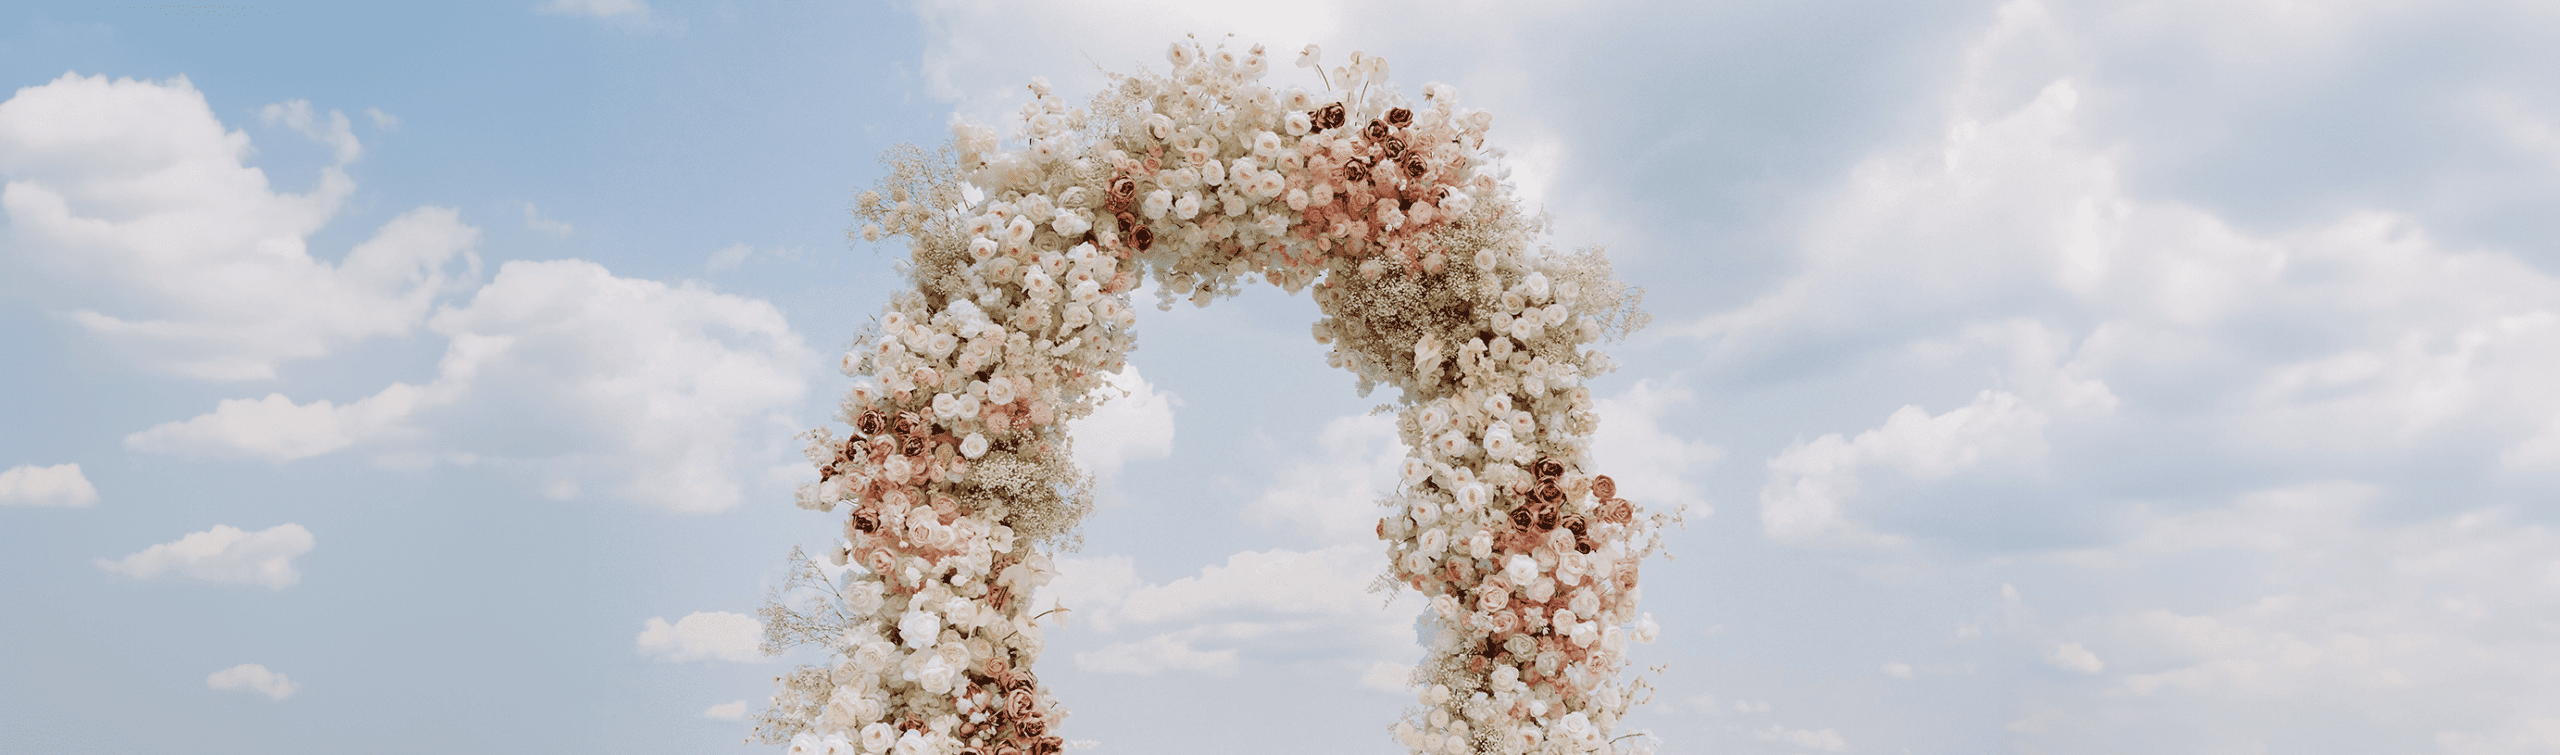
956	470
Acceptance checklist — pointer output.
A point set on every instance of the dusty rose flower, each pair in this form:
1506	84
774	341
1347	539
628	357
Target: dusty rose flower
1399	117
1355	170
1020	703
871	422
1048	746
1547	493
1582	544
1142	238
1377	130
1547	468
1392	147
1522	517
1604	487
1617	511
865	520
1414	169
1123	191
1576	523
1329	117
1008	750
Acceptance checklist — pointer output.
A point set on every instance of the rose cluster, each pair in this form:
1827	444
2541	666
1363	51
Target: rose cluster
955	475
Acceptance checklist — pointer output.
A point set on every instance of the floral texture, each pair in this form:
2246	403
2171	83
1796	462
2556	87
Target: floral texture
955	474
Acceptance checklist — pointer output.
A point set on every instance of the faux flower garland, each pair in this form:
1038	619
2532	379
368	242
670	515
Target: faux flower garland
956	475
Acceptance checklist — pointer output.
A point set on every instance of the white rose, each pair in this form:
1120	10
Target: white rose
836	744
878	737
805	743
1521	568
973	446
1157	203
921	629
936	675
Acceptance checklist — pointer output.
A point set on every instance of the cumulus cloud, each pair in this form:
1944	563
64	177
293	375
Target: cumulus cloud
251	677
1651	465
333	130
1258	602
1335	494
1135	424
131	202
716	635
57	485
276	429
729	711
669	395
1812	484
223	555
534	219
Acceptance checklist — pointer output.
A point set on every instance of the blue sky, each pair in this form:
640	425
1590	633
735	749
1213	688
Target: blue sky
2143	376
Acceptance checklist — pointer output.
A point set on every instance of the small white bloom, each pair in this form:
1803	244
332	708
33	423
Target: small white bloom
1188	206
973	446
1521	569
1159	126
1157	203
945	405
1070	224
877	738
1481	546
1646	630
1474	496
921	629
805	743
1414	470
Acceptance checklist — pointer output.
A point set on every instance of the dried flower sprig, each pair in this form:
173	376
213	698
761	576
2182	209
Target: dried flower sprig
956	474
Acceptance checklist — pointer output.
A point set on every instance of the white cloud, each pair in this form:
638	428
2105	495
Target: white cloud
599	8
382	120
334	130
1335	496
1134	425
2070	656
730	711
1897	670
131	202
1651	465
223	555
276	429
1277	601
669	395
716	635
534	219
1811	485
729	257
57	485
251	677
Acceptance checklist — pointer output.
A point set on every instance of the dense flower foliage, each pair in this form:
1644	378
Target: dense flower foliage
955	472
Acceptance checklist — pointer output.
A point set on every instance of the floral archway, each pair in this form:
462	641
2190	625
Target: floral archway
956	476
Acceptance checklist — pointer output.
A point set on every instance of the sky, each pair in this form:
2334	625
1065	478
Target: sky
2139	376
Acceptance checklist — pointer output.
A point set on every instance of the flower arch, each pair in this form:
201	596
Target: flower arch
1429	279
